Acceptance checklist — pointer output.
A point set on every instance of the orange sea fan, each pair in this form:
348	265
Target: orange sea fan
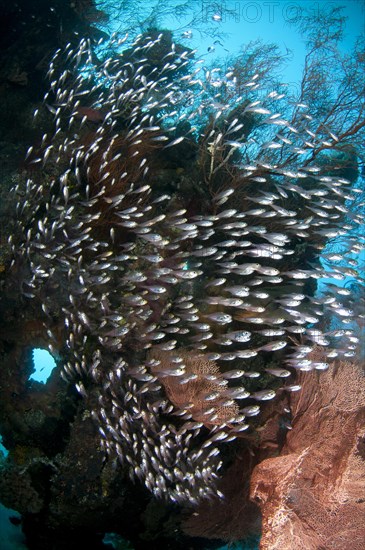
199	389
312	494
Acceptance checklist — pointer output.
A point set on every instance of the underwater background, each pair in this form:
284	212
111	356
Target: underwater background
182	260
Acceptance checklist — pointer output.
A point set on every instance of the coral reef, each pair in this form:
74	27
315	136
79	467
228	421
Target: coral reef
164	247
116	275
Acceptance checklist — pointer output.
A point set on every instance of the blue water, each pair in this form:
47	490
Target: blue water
3	450
43	363
221	29
11	537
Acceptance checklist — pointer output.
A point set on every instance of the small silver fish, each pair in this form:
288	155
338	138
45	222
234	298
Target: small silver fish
263	395
220	318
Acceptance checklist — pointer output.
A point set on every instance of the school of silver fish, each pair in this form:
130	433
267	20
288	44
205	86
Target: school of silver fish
216	280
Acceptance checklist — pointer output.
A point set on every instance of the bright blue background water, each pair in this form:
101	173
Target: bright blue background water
43	365
242	21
